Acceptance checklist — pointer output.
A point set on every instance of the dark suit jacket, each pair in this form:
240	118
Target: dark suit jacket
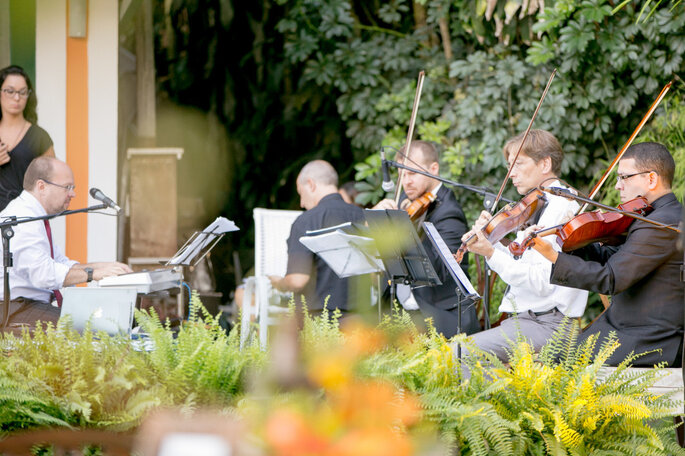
440	302
643	278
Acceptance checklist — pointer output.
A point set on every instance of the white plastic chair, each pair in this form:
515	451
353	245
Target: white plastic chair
272	228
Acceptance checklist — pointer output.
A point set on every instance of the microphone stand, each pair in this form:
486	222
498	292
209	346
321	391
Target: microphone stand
486	192
7	234
488	200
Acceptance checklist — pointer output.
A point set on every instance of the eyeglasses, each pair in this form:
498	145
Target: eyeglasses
65	187
620	178
23	93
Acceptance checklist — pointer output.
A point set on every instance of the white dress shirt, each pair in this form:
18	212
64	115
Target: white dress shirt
34	274
528	277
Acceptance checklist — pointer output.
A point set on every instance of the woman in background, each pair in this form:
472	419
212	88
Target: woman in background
21	140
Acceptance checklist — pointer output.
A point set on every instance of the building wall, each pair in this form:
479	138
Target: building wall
77	89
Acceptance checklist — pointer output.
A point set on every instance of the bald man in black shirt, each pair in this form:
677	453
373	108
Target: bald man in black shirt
308	276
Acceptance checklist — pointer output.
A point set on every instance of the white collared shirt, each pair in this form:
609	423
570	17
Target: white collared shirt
34	273
528	277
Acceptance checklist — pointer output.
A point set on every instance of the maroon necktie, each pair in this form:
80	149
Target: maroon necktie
58	295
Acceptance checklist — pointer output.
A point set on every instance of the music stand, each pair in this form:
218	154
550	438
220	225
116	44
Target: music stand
201	242
344	249
403	255
464	290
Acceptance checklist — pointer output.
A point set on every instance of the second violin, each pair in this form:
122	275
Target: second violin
588	227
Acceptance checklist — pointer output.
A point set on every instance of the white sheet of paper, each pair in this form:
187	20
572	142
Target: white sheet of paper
346	254
448	258
216	228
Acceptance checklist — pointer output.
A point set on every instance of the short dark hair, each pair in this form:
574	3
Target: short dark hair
350	187
40	168
428	150
539	145
651	156
30	113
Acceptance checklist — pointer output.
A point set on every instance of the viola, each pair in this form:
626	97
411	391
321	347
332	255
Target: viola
588	227
513	217
420	205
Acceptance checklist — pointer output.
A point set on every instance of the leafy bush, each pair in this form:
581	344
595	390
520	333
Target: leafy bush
57	376
555	403
363	390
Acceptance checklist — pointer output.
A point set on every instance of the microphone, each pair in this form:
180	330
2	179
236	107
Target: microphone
98	195
387	184
558	191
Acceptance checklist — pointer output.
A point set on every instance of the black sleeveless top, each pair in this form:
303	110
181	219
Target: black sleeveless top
34	143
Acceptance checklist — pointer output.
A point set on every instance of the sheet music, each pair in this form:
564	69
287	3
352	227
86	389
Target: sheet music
448	258
346	254
189	251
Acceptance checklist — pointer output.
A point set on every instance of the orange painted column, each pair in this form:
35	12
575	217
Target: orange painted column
77	143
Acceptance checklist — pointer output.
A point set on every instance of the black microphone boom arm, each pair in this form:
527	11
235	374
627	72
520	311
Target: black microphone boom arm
479	190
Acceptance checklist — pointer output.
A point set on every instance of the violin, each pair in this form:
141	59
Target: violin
419	206
512	217
588	227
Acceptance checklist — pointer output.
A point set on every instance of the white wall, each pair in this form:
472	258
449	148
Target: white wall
51	74
103	93
51	83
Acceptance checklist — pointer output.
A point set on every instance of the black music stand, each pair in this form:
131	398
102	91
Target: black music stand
488	200
465	291
404	257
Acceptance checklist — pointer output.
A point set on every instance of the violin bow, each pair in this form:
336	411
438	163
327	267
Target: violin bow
493	208
410	133
628	143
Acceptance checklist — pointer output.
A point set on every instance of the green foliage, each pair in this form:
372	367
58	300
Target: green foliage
94	381
648	7
57	376
22	408
202	365
558	402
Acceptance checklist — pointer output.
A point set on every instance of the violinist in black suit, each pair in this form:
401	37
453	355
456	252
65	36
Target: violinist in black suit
440	302
643	274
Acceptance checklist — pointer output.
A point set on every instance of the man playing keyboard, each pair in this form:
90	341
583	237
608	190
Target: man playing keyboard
40	267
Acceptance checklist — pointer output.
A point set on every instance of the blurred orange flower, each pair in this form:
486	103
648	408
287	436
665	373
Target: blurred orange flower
288	434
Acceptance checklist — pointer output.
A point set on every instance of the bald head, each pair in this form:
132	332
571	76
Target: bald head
319	171
316	180
52	183
40	168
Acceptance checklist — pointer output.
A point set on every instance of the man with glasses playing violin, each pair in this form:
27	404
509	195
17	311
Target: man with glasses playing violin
642	275
40	267
538	307
443	211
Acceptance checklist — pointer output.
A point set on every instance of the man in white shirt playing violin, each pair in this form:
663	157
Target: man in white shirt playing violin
538	306
40	267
